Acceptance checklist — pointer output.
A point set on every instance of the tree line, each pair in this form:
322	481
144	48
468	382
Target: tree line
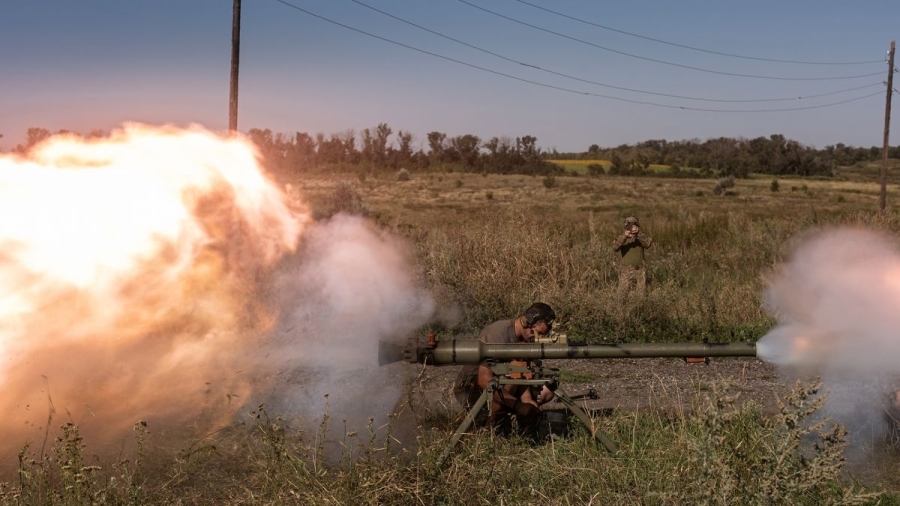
379	149
738	157
374	149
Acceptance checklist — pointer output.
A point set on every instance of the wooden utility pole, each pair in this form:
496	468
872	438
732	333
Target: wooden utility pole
235	58
887	128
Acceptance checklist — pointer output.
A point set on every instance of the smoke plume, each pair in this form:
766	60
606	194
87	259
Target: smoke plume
836	301
351	286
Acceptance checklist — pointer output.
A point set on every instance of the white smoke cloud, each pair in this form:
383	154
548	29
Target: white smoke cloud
354	285
837	302
351	286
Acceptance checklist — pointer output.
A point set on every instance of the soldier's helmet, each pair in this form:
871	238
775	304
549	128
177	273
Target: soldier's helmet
631	220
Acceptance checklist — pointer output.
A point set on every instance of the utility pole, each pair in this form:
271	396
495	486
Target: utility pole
235	58
887	128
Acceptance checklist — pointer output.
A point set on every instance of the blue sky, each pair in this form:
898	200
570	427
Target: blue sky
89	64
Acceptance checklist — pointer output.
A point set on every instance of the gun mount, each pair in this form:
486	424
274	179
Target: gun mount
503	359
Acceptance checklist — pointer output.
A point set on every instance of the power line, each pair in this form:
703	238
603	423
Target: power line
560	88
634	90
663	62
692	48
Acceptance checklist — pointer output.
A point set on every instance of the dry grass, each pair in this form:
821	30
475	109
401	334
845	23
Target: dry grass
722	453
495	243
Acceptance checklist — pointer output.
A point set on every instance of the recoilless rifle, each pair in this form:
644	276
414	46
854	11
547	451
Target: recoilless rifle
503	360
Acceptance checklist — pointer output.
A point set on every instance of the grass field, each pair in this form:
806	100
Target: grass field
580	167
706	270
489	245
862	172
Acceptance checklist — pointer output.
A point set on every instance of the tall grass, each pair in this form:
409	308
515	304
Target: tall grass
718	453
499	265
706	271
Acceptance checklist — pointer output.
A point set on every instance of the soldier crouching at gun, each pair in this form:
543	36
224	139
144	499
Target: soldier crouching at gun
522	401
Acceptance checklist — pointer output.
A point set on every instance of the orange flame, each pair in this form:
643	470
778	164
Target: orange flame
130	272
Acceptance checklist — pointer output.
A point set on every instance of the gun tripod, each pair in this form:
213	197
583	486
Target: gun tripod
537	376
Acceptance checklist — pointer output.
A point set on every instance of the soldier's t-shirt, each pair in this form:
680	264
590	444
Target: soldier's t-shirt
465	387
499	332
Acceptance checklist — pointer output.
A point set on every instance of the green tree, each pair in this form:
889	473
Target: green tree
436	145
616	164
464	148
527	147
405	151
382	133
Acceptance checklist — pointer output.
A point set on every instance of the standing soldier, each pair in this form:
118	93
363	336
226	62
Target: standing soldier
631	245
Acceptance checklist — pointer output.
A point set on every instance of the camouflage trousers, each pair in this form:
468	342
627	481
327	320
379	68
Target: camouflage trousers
632	279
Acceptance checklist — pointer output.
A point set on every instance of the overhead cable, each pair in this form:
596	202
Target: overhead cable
622	88
700	49
560	88
663	62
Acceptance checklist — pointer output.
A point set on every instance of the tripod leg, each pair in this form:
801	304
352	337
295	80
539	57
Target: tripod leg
598	434
467	422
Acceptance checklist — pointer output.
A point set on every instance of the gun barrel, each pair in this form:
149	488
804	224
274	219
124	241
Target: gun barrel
473	351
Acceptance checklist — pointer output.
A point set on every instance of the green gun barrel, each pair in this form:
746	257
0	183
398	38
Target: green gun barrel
473	351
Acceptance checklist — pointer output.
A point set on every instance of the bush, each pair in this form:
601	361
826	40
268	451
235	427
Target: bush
774	186
723	184
402	175
795	459
345	199
595	169
550	181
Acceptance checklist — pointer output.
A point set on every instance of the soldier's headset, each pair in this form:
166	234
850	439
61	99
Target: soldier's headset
537	312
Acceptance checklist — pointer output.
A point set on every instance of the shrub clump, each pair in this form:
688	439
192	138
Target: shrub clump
722	185
345	199
550	181
596	169
794	459
402	175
